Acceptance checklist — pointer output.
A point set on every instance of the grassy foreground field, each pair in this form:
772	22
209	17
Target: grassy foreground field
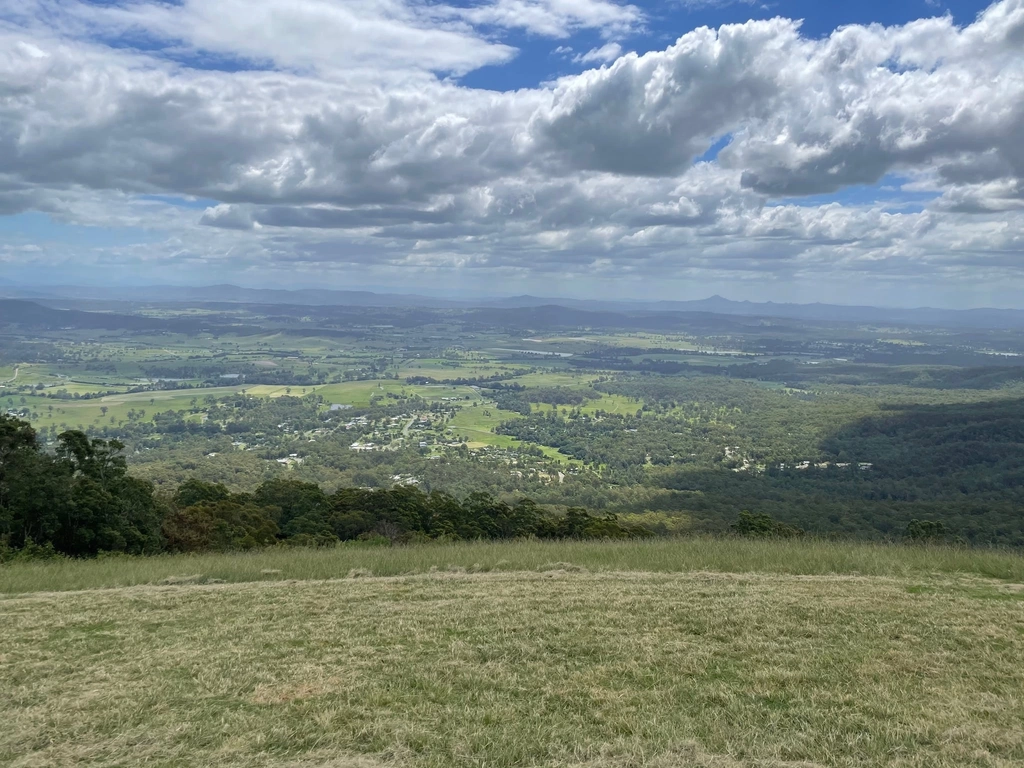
802	557
565	654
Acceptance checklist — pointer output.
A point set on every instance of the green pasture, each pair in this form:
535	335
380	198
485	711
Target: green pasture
619	404
638	340
80	414
74	378
77	414
478	423
359	393
433	369
552	378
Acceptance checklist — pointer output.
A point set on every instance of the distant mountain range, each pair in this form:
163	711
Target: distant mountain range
39	315
949	318
30	314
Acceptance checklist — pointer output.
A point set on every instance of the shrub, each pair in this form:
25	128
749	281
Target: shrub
763	526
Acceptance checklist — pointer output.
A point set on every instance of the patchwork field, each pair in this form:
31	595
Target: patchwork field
73	414
554	664
478	425
358	393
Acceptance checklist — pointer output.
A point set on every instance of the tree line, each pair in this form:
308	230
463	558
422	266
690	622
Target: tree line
80	501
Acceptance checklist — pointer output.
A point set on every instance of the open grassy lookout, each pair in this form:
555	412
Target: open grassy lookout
694	652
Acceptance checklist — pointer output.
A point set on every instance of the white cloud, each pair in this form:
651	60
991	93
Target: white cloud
345	148
337	36
555	18
604	54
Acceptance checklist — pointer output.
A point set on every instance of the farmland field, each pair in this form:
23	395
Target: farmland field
565	655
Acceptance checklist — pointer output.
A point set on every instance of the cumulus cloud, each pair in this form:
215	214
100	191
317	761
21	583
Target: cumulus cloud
332	139
227	216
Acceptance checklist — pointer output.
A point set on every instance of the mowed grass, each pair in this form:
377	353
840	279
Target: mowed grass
555	379
563	668
435	370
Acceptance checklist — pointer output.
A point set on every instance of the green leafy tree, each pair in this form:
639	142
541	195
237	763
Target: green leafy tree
107	510
80	501
194	491
219	525
32	489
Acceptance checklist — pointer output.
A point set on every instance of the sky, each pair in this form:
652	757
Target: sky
868	152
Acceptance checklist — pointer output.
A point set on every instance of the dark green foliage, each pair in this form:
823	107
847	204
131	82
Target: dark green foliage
403	514
28	551
80	501
763	526
219	525
108	511
196	491
925	530
579	524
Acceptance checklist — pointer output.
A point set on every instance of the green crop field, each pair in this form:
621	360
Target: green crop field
358	393
715	654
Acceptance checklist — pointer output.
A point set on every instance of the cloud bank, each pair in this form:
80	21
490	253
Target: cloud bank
332	134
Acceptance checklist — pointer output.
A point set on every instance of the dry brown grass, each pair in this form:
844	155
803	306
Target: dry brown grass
563	668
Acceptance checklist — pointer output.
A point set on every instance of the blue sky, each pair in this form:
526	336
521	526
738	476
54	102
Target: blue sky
795	151
667	21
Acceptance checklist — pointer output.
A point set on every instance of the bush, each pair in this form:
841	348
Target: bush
763	526
925	531
29	551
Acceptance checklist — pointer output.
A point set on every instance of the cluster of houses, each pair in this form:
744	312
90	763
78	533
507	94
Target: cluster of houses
733	452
